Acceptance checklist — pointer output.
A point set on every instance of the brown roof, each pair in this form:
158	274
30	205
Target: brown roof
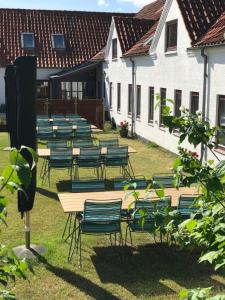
215	35
151	11
142	46
85	35
200	15
131	30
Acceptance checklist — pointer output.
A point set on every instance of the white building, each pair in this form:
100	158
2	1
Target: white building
168	60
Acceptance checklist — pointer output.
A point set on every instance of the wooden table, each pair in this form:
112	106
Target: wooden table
45	152
74	202
74	127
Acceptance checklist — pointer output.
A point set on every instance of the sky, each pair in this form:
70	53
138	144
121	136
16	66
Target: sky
88	5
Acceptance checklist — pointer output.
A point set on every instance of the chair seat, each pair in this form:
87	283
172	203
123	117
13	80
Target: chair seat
101	227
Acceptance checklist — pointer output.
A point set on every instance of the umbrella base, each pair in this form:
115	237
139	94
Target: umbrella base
28	253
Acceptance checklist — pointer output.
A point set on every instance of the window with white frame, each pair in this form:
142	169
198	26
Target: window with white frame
130	97
27	40
110	95
58	41
118	96
114	48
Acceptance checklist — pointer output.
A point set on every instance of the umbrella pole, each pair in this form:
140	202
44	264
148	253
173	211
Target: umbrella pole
27	229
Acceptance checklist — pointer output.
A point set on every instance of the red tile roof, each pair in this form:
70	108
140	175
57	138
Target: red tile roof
85	35
151	11
131	30
142	46
200	15
215	35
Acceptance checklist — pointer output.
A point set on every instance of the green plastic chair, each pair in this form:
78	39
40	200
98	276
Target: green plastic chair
54	144
78	122
61	158
186	206
89	158
73	116
85	143
88	185
163	180
118	157
45	132
60	123
149	206
83	133
65	132
100	217
109	143
119	183
57	116
42	117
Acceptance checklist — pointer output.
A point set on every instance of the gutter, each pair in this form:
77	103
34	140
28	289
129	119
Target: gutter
132	104
205	76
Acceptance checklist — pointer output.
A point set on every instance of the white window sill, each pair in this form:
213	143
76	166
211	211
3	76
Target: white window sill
151	124
170	53
114	59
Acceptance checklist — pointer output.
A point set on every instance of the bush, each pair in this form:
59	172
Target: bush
107	127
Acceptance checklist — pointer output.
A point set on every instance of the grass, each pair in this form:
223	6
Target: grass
145	271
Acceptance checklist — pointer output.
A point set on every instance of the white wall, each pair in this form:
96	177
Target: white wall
42	74
181	70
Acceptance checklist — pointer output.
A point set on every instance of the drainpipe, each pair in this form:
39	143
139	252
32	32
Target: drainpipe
132	98
205	75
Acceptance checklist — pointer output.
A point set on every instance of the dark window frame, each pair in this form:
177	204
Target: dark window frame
54	46
162	104
170	41
177	102
193	106
110	95
219	110
118	96
23	46
151	104
130	98
138	102
114	48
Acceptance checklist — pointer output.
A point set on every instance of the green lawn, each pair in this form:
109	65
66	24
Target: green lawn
145	271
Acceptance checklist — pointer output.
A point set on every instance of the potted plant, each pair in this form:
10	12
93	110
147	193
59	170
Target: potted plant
124	129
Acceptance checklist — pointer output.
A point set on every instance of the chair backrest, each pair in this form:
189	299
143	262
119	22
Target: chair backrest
89	152
73	116
57	144
60	123
43	122
83	133
89	185
146	205
84	143
65	128
42	117
186	202
61	154
109	143
163	180
45	129
119	183
57	117
78	121
102	211
117	151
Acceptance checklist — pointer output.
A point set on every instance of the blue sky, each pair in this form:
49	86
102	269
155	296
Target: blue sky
91	5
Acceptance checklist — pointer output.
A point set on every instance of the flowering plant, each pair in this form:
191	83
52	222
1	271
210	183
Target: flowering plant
124	125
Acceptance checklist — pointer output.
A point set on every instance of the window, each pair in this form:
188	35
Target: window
42	89
73	90
110	94
118	96
114	48
177	103
171	36
138	108
58	41
221	120
130	97
162	105
151	105
194	105
27	40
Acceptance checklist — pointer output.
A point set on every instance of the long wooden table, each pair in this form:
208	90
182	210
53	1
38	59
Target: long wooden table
94	128
74	202
45	152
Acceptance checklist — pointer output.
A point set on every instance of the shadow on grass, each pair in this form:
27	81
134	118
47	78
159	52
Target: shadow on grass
47	193
146	269
63	186
82	283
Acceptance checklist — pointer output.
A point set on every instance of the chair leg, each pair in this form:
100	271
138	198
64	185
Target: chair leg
131	241
67	221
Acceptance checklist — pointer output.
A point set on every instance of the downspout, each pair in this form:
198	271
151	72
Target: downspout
205	75
132	98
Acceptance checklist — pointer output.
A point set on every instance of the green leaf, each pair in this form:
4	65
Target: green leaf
160	193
